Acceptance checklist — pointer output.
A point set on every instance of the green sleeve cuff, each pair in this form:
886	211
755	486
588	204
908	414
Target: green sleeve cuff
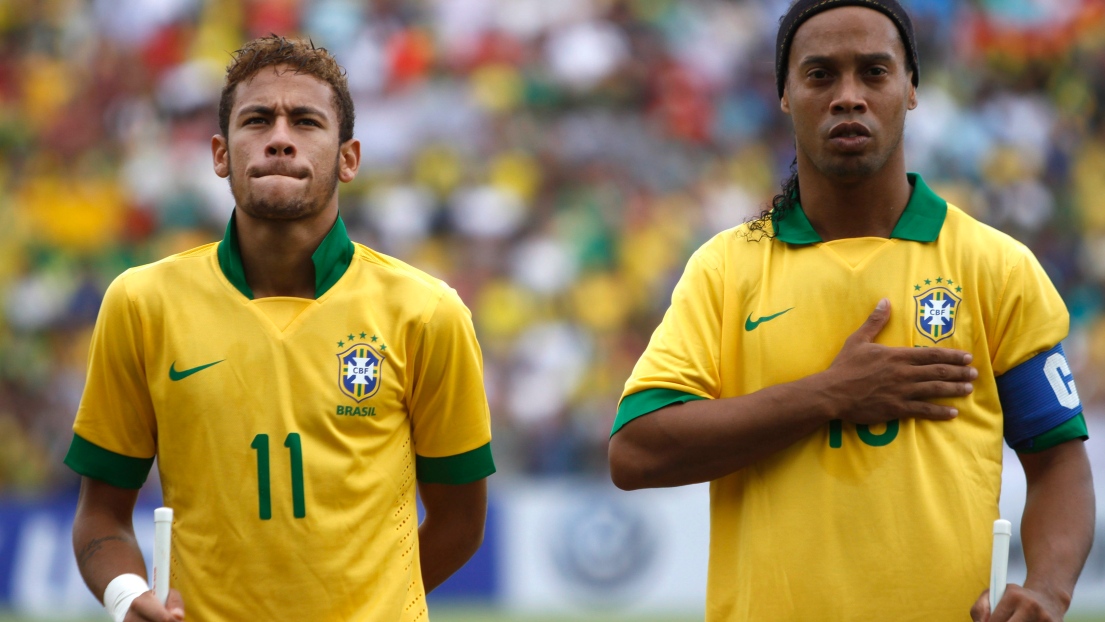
650	400
91	460
464	468
1071	429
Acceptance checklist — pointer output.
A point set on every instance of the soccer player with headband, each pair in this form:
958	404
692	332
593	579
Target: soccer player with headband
844	369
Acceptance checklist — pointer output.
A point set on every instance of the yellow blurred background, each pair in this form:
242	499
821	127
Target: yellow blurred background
555	162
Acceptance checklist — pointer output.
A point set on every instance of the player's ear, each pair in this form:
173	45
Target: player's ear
784	103
220	155
912	94
349	160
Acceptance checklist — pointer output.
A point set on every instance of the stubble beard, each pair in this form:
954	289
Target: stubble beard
855	168
318	194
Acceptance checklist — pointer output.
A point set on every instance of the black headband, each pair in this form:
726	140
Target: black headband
802	10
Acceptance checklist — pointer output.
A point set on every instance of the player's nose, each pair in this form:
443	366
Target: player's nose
849	96
280	141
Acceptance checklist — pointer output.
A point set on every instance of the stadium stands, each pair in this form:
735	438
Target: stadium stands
555	162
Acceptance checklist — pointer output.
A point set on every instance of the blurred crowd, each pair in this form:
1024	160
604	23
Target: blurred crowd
555	162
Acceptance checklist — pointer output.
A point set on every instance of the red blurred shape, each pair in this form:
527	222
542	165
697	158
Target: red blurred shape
264	17
139	223
682	103
166	48
1046	41
410	55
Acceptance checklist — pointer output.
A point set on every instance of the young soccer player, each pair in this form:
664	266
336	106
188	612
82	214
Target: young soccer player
855	472
293	385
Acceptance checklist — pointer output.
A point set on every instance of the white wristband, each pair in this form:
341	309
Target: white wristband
121	592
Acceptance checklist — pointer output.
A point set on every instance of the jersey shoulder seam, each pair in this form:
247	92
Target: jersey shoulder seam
132	310
435	287
1009	272
713	251
399	267
1012	254
199	252
1008	244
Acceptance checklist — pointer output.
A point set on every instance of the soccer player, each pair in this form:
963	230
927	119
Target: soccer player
293	386
843	370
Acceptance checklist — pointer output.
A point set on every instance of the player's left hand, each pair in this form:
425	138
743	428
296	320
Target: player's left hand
1017	605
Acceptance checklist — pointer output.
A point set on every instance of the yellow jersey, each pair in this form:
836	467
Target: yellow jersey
855	522
289	432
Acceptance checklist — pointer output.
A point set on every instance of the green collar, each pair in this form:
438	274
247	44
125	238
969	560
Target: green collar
331	258
921	221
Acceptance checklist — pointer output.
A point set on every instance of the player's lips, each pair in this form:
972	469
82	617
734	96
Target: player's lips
850	136
278	173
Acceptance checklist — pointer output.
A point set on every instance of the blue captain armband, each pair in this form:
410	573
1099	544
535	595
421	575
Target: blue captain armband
1037	396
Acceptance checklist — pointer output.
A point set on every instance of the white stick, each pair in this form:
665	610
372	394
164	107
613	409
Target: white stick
162	535
999	563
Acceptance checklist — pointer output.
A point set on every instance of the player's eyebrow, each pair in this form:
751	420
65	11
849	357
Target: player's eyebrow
303	111
871	58
268	111
256	109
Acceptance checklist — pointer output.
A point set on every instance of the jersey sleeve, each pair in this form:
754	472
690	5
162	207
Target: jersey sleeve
115	432
1036	388
451	423
681	362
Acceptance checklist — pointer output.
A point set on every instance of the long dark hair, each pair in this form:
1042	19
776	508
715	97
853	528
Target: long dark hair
781	204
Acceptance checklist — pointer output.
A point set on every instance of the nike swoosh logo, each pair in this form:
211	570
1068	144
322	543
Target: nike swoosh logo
749	325
175	375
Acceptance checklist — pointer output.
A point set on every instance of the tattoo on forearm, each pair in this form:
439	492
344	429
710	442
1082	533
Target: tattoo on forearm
94	547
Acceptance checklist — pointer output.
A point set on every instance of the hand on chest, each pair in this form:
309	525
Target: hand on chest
796	320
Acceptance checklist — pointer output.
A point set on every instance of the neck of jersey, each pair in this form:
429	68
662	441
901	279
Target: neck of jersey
331	258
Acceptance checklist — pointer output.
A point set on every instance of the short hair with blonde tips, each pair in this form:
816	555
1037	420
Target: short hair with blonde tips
303	58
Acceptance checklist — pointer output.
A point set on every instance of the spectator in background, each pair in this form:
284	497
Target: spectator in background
601	175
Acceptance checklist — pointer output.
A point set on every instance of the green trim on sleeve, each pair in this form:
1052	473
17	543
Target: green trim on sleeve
93	461
650	400
464	468
1071	429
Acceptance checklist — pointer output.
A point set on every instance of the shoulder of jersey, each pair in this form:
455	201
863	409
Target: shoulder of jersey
975	236
739	244
389	267
169	266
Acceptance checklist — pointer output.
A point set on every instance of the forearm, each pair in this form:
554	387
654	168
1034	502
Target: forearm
452	530
1058	522
105	552
441	554
703	440
103	538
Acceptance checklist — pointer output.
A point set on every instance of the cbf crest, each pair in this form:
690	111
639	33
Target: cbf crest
360	369
937	308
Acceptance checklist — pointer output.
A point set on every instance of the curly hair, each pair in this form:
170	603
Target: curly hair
303	58
781	204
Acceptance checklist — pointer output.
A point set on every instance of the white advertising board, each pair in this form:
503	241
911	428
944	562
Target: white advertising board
584	546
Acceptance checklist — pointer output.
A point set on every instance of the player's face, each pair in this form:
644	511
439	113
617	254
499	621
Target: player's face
282	155
847	92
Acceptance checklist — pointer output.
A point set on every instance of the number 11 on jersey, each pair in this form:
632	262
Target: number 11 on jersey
264	487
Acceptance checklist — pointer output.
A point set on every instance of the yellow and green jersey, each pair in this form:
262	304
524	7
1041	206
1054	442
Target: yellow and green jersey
855	522
289	432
